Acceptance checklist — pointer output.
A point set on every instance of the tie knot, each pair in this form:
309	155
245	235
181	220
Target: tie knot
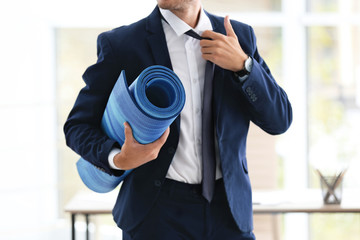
193	34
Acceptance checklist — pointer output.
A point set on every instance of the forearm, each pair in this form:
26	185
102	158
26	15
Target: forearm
90	143
268	103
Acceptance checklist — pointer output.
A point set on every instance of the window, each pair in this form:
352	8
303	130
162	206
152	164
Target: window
322	5
334	113
243	6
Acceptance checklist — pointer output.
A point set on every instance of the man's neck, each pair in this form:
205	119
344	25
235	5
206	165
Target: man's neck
189	15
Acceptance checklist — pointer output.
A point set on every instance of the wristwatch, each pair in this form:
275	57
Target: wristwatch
244	73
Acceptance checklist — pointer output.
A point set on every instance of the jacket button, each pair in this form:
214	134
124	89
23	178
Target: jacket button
253	98
171	150
157	183
249	90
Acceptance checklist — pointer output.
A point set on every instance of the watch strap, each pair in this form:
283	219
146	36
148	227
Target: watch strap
243	74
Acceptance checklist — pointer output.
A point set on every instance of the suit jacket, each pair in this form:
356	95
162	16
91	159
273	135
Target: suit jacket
142	44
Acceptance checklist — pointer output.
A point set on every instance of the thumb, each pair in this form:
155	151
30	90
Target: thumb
164	136
229	30
128	132
161	140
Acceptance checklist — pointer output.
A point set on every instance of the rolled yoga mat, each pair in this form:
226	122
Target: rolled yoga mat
149	105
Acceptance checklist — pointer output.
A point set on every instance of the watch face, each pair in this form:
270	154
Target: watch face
248	64
247	68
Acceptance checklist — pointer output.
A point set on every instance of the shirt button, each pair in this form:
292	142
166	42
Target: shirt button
198	141
197	111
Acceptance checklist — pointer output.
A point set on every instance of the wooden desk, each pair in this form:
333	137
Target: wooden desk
88	203
265	202
303	201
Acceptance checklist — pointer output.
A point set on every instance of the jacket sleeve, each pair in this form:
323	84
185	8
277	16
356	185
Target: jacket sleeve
82	128
268	104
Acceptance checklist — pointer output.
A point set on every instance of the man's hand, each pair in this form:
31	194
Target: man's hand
133	154
224	51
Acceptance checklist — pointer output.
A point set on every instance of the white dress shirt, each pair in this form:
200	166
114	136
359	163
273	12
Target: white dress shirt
188	64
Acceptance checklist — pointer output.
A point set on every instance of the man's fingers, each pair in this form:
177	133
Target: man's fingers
209	49
209	57
207	43
161	141
229	30
212	35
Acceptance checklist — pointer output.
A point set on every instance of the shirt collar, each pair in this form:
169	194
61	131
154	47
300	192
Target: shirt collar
180	27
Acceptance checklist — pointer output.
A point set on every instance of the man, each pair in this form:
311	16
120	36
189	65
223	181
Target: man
166	197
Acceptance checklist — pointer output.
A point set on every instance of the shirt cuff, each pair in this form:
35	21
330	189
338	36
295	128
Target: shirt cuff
112	154
243	79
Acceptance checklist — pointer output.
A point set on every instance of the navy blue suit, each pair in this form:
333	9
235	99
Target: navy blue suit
142	44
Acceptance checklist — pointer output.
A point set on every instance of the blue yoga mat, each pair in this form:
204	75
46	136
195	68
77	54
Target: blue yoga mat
149	105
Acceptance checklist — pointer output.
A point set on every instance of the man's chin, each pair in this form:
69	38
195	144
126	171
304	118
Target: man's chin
169	5
164	6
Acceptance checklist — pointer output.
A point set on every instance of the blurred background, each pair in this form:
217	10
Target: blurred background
311	46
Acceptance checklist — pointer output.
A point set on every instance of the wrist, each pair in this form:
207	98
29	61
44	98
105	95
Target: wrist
239	62
118	161
246	70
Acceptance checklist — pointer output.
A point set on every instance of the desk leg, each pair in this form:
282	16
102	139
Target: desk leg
87	226
73	226
275	226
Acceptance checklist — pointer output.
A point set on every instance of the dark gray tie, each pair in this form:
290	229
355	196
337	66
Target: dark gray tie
208	141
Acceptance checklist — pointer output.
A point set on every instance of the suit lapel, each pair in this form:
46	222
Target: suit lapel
157	40
157	43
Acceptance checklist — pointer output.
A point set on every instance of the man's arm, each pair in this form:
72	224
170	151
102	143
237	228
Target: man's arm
268	103
82	128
